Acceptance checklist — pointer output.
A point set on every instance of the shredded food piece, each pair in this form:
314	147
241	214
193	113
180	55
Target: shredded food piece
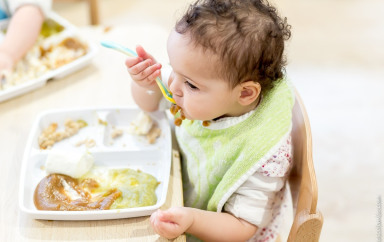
116	133
102	122
144	125
153	133
89	143
50	136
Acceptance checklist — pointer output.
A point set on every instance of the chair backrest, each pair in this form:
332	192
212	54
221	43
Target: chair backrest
308	220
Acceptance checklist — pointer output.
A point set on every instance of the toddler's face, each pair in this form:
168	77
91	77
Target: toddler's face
196	87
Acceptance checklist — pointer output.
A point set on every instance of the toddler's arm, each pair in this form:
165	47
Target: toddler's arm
22	33
143	70
205	225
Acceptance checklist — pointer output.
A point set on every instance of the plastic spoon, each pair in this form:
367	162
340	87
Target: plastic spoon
112	45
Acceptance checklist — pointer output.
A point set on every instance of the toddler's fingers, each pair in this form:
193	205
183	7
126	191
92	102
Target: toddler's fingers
153	217
139	67
154	75
157	224
149	73
131	61
154	227
142	53
166	216
168	229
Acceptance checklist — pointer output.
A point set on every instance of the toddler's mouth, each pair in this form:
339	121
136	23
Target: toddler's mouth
177	109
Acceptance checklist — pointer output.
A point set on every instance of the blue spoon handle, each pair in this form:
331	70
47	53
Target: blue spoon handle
118	47
109	44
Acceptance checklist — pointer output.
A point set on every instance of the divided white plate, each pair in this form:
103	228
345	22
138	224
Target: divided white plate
60	72
127	151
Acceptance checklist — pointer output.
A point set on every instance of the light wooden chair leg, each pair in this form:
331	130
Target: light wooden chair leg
94	11
93	6
307	227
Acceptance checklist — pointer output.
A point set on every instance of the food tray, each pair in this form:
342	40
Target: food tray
60	72
129	151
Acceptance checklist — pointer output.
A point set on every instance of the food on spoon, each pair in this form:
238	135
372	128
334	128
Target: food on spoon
206	123
177	111
50	136
69	163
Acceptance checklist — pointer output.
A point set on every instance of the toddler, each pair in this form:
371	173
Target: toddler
23	29
227	68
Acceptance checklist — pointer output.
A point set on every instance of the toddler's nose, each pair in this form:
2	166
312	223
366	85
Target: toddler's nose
175	88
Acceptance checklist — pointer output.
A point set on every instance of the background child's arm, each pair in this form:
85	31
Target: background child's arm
206	225
143	70
22	33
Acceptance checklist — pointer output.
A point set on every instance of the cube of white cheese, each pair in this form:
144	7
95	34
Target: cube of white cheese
71	164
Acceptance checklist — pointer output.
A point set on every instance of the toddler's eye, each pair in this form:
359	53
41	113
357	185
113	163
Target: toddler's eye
191	86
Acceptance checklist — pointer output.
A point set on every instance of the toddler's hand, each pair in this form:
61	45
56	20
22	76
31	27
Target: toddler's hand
6	61
143	69
6	65
172	222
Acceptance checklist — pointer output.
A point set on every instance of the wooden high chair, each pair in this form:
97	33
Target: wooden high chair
93	7
308	220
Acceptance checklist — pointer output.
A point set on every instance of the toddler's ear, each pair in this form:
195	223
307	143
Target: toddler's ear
249	92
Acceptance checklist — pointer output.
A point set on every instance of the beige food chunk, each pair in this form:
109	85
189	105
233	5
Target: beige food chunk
141	125
145	126
50	136
89	143
116	133
153	134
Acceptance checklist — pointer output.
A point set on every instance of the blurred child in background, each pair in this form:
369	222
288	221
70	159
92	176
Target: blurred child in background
26	18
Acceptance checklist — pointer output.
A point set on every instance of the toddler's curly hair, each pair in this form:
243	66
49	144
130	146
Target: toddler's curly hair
247	35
